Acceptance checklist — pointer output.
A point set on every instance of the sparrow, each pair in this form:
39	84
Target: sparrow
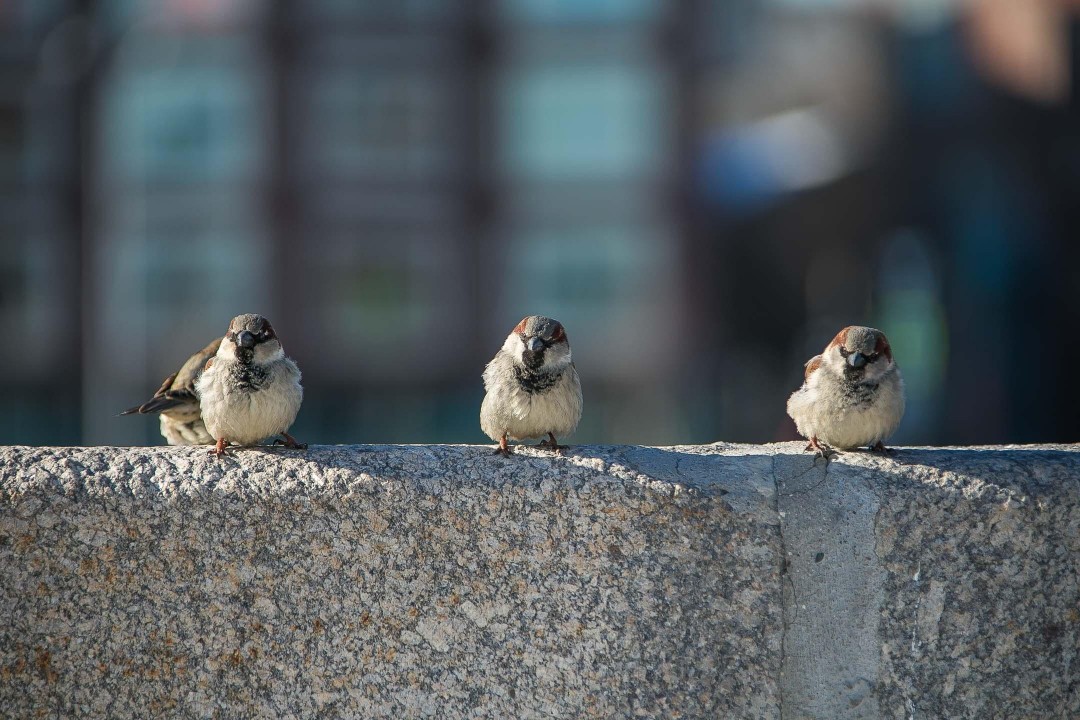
249	390
181	419
531	386
852	393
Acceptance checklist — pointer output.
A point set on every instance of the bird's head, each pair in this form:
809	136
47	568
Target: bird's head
251	340
859	353
539	344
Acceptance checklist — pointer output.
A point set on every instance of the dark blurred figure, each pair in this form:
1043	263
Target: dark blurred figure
951	230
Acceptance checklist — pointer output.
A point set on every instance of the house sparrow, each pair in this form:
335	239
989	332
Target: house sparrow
852	394
532	388
181	421
249	390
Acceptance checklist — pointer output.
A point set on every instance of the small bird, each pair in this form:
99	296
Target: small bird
852	394
181	420
249	390
532	388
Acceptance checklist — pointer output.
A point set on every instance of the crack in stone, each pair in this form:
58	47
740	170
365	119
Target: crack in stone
804	491
918	602
783	573
909	703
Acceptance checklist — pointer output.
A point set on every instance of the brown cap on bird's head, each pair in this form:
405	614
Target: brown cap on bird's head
859	344
544	328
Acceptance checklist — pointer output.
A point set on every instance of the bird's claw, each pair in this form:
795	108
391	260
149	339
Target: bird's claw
821	449
552	444
879	447
290	442
504	448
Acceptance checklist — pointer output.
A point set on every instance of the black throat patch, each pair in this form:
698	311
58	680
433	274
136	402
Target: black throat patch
860	393
533	359
534	382
246	375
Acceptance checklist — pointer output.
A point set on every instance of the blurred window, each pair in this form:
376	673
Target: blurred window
570	122
189	123
372	10
195	17
162	267
381	123
389	299
33	304
581	11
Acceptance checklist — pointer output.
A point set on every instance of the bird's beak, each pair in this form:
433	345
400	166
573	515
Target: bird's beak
535	344
245	339
856	360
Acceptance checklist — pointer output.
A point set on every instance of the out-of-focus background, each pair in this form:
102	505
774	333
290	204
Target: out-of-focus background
704	192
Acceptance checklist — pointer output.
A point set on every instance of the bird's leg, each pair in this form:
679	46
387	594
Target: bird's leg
504	447
290	442
879	446
552	444
820	448
220	448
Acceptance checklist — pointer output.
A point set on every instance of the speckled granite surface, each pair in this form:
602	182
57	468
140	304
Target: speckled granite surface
982	593
934	583
712	581
387	581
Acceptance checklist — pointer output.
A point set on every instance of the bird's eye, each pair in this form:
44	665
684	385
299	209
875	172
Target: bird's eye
844	351
872	357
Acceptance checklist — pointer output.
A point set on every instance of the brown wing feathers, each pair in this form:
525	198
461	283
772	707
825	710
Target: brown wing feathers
178	388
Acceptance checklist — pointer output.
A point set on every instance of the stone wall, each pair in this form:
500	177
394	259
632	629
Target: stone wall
719	581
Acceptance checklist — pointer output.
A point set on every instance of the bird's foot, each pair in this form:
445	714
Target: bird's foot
504	448
879	447
290	442
821	449
552	444
221	448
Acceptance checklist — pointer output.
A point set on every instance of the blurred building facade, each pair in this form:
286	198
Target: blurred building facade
703	192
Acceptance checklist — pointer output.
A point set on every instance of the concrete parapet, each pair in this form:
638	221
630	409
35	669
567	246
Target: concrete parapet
718	581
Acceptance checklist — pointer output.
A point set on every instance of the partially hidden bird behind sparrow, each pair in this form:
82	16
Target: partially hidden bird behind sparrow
532	388
249	390
177	403
852	393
